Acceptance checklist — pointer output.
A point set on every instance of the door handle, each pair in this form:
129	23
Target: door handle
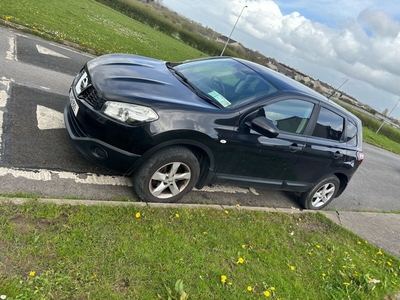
337	155
294	148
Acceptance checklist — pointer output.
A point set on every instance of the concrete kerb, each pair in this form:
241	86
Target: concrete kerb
148	204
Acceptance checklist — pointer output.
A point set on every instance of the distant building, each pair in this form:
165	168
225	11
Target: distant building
223	39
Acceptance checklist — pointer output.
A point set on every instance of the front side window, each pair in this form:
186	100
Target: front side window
289	115
329	125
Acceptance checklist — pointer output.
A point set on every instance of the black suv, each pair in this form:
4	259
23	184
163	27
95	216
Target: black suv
173	126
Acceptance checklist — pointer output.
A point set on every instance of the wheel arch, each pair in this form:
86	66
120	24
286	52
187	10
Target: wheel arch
203	154
344	180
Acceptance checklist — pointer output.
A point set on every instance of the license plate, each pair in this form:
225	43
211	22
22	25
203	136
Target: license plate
74	104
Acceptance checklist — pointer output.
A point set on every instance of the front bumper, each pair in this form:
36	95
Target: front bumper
96	151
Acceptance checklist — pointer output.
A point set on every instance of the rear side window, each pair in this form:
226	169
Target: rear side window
329	126
351	134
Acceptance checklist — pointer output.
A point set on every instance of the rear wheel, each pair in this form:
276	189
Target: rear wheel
167	175
321	194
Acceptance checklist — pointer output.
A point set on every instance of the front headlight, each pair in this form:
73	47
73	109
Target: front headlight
129	113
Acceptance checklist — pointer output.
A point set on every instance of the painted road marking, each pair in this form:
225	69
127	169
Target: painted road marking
46	51
48	118
10	54
4	88
89	178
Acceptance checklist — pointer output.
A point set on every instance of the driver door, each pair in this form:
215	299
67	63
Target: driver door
257	160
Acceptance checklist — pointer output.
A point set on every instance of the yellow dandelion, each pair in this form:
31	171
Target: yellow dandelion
318	246
323	275
272	288
176	215
230	283
300	219
8	18
227	212
346	283
32	273
292	268
358	243
267	294
309	253
237	205
389	263
249	288
329	260
240	260
137	215
395	274
223	278
379	252
205	232
344	267
244	246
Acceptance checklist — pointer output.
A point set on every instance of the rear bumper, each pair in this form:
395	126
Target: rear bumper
96	151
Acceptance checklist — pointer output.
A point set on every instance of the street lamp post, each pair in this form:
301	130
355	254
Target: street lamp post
383	122
227	41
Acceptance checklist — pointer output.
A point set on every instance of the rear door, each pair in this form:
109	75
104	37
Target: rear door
325	150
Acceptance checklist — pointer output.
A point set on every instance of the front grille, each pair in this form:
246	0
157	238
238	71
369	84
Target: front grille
91	96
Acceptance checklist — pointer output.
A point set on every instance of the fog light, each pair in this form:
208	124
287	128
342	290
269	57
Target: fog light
99	153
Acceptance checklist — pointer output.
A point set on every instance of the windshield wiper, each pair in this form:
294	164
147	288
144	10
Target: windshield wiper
197	91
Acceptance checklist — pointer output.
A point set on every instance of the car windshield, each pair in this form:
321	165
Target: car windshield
226	82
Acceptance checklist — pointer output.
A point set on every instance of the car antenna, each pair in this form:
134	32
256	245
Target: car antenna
337	89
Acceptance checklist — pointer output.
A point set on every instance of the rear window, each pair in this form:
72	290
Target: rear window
351	134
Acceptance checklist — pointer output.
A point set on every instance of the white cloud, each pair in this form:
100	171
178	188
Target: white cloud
379	23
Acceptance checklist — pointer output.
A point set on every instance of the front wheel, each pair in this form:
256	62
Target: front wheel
167	175
321	194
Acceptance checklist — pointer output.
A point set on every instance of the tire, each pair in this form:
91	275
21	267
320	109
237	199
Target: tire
321	194
166	176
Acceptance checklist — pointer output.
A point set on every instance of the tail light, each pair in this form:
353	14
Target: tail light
360	156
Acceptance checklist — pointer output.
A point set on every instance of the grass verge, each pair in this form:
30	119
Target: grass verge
95	27
50	251
380	140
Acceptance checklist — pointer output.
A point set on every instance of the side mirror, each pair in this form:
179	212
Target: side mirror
264	127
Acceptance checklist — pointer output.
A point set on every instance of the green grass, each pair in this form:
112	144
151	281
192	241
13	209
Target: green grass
380	140
49	251
93	26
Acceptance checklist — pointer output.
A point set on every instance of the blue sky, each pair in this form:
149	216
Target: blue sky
358	40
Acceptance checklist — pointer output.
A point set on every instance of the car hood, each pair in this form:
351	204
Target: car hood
139	80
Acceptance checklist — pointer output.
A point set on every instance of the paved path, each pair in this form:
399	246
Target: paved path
380	229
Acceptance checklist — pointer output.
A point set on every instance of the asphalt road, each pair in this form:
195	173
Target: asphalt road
36	155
